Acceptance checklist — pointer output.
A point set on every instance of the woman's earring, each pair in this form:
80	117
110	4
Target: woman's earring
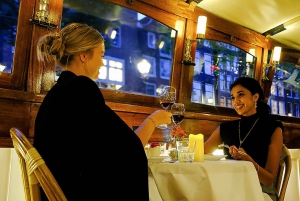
83	63
255	104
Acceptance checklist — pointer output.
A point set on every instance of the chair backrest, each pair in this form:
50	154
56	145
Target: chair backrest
35	172
284	172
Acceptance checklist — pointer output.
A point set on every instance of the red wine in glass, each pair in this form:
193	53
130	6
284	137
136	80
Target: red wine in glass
167	99
177	110
177	118
166	105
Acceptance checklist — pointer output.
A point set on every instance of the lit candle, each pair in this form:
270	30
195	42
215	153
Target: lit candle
199	149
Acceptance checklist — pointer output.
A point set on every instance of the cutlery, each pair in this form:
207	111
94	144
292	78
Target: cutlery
242	153
223	145
226	146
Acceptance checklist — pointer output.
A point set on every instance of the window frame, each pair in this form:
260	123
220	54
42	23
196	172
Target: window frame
211	109
16	79
168	19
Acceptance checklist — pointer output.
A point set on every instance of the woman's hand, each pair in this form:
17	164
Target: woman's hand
161	117
238	153
145	130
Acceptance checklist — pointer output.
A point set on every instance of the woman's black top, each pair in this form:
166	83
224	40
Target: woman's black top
256	144
92	153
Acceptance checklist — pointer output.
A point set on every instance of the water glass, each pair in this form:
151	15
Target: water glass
184	142
186	155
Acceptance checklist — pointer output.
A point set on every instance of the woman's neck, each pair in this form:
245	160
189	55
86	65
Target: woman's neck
250	117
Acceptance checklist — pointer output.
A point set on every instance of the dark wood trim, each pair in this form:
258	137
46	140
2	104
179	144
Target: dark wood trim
16	79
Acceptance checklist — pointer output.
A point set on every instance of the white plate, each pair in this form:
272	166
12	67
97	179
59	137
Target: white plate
210	157
157	159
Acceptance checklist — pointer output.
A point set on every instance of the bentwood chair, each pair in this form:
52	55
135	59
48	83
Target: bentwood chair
283	174
35	172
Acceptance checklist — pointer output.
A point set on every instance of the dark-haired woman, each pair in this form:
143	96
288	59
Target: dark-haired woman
255	137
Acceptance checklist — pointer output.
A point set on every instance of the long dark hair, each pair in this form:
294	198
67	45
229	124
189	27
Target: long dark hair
254	87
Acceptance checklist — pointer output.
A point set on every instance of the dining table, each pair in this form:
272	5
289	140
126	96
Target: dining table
216	180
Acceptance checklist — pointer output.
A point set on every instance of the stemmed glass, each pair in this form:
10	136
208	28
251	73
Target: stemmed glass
177	110
166	99
182	144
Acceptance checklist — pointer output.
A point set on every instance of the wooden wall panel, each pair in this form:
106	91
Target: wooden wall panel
22	114
34	108
13	113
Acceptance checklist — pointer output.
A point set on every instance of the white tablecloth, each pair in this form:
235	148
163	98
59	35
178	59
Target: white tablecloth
223	180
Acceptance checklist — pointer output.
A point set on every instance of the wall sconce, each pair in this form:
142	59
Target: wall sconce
42	16
276	55
201	28
275	62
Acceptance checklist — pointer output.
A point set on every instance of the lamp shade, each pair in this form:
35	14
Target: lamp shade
276	55
249	57
201	27
252	51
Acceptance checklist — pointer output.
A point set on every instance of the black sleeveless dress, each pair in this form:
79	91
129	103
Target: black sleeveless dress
256	144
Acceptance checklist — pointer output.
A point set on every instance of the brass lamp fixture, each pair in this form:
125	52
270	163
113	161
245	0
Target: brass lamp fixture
201	28
275	62
42	16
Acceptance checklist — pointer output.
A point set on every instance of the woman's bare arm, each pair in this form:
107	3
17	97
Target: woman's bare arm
145	130
213	141
268	173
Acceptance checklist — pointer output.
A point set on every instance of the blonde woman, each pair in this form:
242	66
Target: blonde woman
90	150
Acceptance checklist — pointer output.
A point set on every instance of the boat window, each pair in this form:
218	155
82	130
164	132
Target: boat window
285	89
8	29
218	64
139	50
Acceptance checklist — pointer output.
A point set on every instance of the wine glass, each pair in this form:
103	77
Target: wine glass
177	110
166	99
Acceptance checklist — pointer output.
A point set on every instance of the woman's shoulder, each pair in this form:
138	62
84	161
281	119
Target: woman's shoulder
229	123
83	83
70	79
84	80
270	122
72	85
